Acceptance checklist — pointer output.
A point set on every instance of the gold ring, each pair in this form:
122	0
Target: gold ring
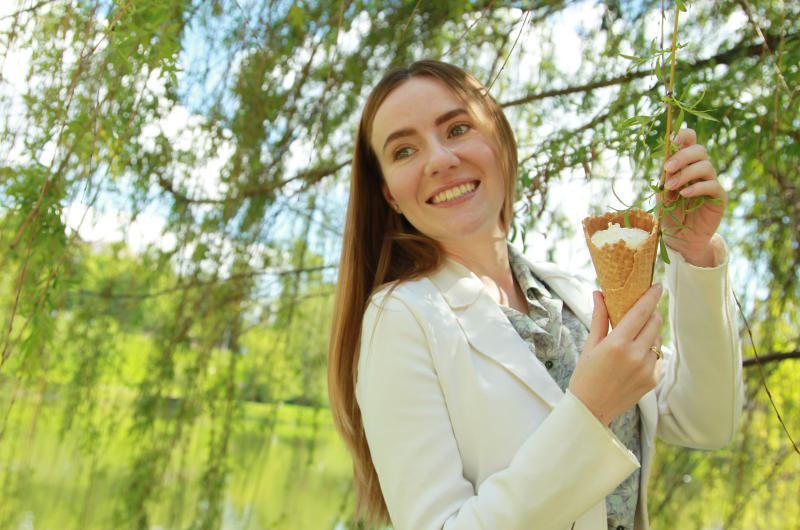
657	351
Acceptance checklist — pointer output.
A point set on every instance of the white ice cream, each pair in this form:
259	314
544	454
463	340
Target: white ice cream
632	237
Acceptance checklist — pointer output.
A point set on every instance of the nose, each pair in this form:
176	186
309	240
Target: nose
441	158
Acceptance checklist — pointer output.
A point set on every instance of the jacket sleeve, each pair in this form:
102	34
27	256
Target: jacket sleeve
565	468
700	395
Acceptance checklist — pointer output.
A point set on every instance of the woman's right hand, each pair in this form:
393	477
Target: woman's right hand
616	369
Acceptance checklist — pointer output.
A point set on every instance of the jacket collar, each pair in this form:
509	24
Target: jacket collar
489	332
461	287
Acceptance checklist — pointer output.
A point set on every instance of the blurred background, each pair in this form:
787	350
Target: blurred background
173	180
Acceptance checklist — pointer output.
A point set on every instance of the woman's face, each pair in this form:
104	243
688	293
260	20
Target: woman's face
439	164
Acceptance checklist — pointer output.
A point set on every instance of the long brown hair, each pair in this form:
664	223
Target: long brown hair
380	246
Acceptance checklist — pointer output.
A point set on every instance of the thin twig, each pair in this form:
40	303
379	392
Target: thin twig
763	378
519	34
411	16
27	9
667	134
460	39
308	175
34	213
746	7
320	124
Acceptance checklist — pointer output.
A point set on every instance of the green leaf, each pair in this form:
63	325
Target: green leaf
685	91
695	204
701	114
641	120
663	250
678	122
699	99
659	71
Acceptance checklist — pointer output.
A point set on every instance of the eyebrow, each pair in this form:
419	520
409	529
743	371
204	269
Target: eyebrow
447	116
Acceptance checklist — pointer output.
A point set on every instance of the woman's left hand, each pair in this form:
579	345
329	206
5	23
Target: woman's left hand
690	174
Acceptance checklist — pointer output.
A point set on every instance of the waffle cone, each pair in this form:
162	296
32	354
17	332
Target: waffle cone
624	274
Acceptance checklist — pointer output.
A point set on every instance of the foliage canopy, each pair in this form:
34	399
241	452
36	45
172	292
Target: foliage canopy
212	139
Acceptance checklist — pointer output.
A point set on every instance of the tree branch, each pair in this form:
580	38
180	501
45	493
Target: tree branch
726	57
27	9
311	176
195	283
771	357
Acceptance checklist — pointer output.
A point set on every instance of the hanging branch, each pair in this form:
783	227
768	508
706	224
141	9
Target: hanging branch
668	133
764	379
513	46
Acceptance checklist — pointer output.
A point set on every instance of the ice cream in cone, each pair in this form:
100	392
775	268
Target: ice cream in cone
623	258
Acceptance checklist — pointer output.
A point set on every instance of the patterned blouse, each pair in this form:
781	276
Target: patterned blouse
556	337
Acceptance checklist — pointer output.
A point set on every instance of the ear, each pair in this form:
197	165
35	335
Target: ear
387	195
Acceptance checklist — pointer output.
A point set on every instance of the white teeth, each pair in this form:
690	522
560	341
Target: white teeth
453	193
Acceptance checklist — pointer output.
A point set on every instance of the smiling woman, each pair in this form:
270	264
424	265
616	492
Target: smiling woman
477	389
440	166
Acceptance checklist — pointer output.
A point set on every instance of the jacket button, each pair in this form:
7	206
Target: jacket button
549	364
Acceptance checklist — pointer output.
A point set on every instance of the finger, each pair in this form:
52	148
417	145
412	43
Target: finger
599	326
657	368
708	188
638	315
685	137
698	171
659	342
650	333
685	157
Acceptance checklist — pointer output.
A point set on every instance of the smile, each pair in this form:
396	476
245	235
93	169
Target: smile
453	193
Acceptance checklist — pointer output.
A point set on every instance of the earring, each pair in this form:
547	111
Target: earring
396	207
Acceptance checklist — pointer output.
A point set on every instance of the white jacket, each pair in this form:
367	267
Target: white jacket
467	429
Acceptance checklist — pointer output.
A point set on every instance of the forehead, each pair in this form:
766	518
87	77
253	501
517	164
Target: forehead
415	103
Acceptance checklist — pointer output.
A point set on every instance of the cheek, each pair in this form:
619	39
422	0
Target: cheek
490	161
480	151
401	184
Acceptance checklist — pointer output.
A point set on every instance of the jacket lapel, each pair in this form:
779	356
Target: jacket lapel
487	329
489	332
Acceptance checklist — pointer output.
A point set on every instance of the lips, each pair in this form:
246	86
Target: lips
453	193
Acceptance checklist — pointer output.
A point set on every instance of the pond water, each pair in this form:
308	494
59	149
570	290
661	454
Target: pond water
287	469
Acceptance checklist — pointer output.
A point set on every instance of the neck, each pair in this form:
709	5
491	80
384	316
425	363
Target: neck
490	263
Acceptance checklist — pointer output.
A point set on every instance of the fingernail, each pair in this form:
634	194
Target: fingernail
671	165
672	184
674	136
658	287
